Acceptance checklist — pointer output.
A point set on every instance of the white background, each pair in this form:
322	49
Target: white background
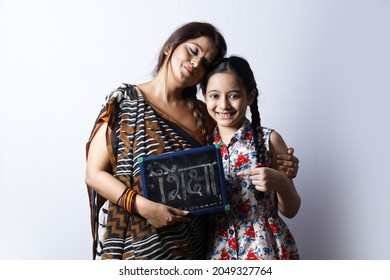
323	69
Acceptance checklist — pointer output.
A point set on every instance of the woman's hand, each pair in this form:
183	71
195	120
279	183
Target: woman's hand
159	215
288	163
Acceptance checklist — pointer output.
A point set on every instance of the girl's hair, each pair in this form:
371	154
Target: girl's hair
241	69
184	33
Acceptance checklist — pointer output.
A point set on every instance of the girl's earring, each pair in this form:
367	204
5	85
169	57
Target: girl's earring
166	52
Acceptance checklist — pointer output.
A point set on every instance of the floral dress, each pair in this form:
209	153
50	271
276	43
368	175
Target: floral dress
253	229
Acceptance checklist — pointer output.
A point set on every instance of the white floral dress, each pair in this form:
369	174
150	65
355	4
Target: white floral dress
252	229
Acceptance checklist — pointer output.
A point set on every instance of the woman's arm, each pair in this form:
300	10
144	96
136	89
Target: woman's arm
99	177
98	171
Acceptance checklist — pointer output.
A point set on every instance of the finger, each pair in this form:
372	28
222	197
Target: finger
178	212
290	151
291	170
294	159
291	175
286	163
249	172
284	157
257	183
260	188
288	170
282	168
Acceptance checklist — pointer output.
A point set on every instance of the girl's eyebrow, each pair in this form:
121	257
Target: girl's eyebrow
236	91
230	91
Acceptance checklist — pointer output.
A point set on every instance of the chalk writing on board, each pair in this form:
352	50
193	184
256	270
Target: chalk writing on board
191	180
183	183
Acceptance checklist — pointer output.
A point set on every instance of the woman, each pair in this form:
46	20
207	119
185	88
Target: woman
155	117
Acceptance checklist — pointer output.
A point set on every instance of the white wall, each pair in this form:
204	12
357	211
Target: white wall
322	67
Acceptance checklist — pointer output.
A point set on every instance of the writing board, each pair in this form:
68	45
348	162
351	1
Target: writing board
190	180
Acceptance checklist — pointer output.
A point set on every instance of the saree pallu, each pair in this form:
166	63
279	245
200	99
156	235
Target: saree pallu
136	130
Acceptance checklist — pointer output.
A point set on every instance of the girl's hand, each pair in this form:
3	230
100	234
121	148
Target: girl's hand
288	163
264	179
159	215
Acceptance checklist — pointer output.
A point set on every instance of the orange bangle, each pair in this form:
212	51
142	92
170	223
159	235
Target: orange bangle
132	208
128	199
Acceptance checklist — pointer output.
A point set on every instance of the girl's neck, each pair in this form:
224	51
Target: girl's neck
226	133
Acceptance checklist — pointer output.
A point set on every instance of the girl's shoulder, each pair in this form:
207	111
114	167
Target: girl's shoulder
248	127
266	131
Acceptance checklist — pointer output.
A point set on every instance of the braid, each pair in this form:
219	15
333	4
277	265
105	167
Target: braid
262	155
192	104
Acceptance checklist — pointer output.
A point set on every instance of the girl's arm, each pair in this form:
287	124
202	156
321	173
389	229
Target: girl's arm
289	200
271	179
99	177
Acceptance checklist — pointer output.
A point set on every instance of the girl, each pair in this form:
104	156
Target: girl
257	189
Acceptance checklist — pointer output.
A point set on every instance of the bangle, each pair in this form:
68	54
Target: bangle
128	200
132	202
117	202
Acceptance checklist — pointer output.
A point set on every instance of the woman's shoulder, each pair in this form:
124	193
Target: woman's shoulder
122	92
126	89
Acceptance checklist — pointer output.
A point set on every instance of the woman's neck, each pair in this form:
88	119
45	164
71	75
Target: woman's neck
161	92
169	102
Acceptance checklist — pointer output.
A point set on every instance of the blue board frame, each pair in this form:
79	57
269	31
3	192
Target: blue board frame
171	183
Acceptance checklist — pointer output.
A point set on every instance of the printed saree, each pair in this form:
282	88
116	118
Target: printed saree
137	130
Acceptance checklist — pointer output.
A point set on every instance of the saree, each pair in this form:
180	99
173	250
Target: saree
135	130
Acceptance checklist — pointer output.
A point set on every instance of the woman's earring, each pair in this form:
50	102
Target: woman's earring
166	52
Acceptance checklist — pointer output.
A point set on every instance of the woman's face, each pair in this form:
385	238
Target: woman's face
191	59
227	100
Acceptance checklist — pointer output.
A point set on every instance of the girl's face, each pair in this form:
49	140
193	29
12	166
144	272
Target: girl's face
227	100
190	60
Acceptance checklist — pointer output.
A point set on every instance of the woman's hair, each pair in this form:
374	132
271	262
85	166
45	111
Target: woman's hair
241	69
184	33
190	31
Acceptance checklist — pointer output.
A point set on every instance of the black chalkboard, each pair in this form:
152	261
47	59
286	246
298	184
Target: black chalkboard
190	180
